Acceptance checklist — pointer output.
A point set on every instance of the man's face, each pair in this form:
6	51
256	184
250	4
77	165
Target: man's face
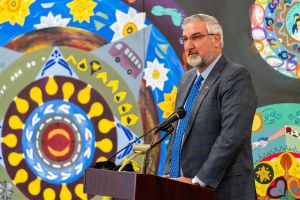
296	17
199	47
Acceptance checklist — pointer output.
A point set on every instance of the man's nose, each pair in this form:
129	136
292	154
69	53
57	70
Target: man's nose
189	45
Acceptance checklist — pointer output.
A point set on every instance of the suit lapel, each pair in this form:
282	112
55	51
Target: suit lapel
186	89
211	79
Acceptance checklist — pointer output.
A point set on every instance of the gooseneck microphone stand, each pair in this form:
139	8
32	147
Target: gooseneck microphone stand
169	130
109	164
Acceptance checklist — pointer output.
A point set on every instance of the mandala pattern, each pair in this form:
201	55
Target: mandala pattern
275	34
62	125
50	131
63	139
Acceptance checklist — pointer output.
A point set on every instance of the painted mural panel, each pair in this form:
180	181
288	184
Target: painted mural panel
276	156
79	81
275	26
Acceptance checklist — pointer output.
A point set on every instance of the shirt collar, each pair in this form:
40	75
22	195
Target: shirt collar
207	71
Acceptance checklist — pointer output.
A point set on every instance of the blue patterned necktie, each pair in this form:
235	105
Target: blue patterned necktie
175	154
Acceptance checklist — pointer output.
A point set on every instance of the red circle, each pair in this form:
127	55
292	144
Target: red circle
58	141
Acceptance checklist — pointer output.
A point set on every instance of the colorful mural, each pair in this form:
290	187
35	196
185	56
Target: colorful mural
276	153
276	127
275	28
78	81
275	140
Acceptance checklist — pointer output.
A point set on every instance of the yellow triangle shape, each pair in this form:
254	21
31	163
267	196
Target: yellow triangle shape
114	85
102	76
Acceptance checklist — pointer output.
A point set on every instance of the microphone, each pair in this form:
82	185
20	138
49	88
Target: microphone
164	126
178	114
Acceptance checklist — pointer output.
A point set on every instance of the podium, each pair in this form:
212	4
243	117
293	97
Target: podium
130	186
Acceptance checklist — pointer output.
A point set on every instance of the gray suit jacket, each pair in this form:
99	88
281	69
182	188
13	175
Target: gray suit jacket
217	142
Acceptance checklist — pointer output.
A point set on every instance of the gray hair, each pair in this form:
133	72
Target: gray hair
212	24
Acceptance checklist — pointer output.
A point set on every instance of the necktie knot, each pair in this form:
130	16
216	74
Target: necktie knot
199	79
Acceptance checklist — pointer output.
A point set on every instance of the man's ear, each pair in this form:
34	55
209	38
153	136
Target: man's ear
217	38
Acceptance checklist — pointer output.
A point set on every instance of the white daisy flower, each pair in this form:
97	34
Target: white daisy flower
155	75
52	21
127	23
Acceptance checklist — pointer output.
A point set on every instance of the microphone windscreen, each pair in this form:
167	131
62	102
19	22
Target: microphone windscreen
181	112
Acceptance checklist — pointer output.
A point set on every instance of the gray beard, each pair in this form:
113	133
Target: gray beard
197	62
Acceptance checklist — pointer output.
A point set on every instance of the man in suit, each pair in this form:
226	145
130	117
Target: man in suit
212	144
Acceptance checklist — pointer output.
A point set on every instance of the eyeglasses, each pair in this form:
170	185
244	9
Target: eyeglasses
194	38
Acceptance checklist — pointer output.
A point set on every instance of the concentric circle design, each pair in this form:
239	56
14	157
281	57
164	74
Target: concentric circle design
56	127
57	141
58	137
60	146
274	30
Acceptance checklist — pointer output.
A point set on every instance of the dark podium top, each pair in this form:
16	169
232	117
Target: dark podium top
130	185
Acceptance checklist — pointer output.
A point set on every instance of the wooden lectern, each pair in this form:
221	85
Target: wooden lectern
130	185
